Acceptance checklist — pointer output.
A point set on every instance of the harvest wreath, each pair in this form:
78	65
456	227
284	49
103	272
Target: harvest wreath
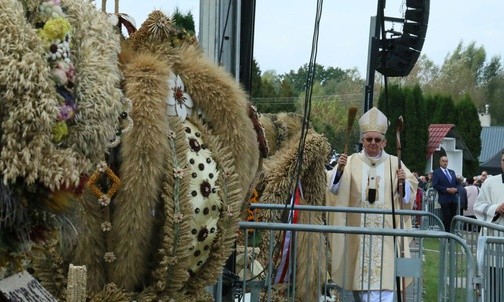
51	83
61	108
184	168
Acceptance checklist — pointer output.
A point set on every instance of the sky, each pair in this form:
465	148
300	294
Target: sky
284	28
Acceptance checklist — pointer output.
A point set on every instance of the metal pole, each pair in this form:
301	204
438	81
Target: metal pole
370	76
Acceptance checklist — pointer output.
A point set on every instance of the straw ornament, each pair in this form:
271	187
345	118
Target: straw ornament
60	90
184	172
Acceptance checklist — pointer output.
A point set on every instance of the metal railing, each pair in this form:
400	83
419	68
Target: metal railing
309	270
491	268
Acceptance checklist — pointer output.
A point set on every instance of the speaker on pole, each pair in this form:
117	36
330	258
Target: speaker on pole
398	54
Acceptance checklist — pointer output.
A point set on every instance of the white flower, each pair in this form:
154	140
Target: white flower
106	226
102	166
178	217
109	257
104	200
178	172
51	9
59	50
179	102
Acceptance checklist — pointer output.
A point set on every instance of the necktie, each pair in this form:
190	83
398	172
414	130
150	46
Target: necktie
447	174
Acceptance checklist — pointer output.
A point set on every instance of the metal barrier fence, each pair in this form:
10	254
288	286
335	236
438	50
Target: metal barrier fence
265	276
491	268
471	231
430	204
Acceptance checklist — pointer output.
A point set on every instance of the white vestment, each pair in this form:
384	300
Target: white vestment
363	262
490	197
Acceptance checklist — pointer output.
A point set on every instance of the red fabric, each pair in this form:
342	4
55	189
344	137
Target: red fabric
418	199
282	274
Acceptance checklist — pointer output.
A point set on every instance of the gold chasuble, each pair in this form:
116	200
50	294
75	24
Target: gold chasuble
363	262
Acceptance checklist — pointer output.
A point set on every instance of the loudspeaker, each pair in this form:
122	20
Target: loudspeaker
398	55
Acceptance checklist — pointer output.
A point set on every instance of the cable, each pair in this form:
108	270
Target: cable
307	106
294	180
287	216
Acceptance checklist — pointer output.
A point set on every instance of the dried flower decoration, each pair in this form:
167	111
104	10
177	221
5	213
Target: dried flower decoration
178	218
104	200
102	166
229	212
161	285
51	8
178	172
109	257
106	226
179	102
56	35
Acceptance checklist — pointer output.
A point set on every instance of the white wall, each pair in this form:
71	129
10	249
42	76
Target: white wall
455	156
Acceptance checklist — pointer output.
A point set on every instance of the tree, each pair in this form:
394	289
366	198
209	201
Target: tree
184	21
415	137
494	96
256	80
462	73
276	95
329	116
322	76
424	73
408	103
493	79
391	103
442	109
469	127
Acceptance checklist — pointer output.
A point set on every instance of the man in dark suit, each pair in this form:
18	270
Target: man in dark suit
444	181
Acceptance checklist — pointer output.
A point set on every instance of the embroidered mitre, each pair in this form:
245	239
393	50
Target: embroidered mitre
373	120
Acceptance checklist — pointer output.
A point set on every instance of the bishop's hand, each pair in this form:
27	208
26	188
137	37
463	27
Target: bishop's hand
401	175
342	161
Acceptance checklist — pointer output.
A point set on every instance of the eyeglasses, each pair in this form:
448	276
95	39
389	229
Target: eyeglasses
376	139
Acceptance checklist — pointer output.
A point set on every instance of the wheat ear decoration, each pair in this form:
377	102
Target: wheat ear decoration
352	112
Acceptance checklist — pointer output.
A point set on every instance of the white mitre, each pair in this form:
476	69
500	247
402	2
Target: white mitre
373	120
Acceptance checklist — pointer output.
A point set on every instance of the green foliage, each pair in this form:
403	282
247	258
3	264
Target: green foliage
494	95
392	105
269	93
442	109
429	95
330	118
469	128
465	71
322	77
424	73
415	137
184	21
256	80
408	103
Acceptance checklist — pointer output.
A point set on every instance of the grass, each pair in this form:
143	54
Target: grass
431	269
